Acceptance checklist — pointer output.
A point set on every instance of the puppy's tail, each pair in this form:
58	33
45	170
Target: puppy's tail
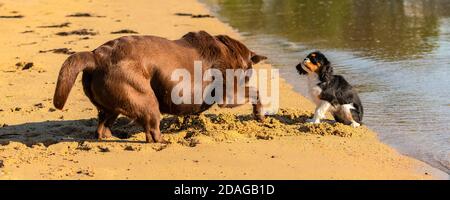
82	61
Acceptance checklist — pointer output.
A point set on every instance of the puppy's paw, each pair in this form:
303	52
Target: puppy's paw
355	124
313	121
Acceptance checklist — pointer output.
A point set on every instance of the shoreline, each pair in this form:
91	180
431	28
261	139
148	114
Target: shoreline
61	147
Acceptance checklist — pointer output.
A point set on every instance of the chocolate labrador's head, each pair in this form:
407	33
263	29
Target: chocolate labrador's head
242	57
224	51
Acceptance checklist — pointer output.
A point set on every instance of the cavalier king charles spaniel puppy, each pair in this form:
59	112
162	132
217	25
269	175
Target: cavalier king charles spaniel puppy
330	92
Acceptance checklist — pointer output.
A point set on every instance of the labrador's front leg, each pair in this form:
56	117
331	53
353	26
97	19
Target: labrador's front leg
255	99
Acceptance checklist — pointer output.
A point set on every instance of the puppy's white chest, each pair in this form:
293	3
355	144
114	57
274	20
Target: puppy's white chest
315	93
314	90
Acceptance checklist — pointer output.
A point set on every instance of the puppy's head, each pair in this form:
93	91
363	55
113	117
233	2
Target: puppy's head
316	63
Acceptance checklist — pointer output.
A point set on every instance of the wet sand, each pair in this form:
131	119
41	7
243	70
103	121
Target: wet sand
39	142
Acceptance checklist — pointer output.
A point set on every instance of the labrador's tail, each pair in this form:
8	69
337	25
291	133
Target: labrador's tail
82	61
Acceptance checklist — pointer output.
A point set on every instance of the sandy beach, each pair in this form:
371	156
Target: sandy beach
40	142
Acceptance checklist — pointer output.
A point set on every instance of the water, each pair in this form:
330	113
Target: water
396	53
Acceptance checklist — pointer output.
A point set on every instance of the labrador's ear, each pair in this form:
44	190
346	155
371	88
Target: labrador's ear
205	43
258	58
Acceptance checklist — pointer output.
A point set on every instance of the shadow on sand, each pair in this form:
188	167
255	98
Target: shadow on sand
52	132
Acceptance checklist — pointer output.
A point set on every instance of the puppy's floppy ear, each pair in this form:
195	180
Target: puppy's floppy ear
322	59
326	72
258	58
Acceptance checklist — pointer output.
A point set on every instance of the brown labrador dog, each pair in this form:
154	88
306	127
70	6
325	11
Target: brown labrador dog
132	76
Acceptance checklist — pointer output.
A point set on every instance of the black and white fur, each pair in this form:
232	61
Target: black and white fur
330	92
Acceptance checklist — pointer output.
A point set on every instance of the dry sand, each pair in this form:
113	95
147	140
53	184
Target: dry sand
38	142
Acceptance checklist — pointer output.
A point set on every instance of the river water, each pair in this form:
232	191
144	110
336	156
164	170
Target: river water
395	52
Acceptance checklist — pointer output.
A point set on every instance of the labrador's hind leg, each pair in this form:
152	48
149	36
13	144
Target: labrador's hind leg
105	121
149	116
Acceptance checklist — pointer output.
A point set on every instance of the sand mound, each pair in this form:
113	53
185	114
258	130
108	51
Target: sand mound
229	127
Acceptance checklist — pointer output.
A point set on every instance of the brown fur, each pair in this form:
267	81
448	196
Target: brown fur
131	76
